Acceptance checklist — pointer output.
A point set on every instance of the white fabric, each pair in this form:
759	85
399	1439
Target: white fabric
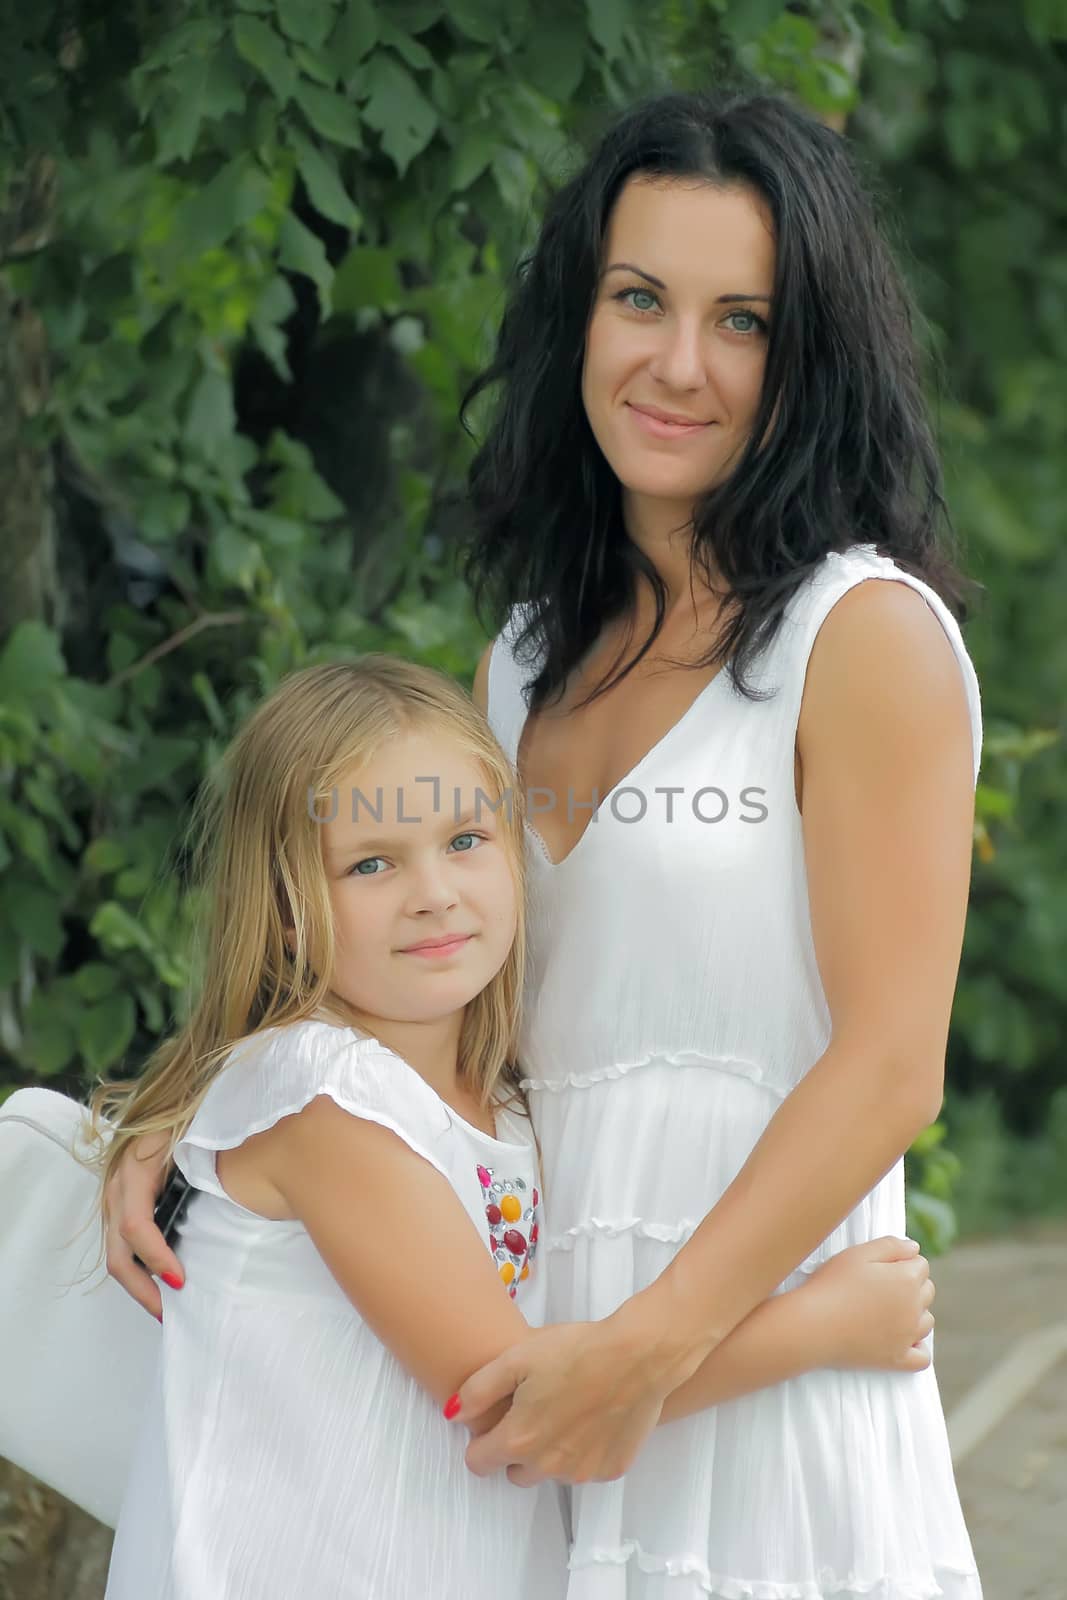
284	1450
673	1001
76	1353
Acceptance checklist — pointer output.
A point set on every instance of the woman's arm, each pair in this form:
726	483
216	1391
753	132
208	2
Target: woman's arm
888	800
128	1204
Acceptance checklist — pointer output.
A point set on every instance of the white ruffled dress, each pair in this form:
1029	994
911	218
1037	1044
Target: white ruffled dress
285	1452
673	1002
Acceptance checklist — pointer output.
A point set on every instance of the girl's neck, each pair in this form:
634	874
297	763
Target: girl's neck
430	1048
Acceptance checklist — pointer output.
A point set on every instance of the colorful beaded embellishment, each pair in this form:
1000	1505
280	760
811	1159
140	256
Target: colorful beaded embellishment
514	1228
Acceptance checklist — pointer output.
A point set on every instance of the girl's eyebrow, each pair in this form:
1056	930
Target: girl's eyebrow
722	299
361	842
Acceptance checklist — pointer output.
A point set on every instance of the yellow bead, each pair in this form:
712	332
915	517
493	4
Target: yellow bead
507	1272
511	1208
525	1273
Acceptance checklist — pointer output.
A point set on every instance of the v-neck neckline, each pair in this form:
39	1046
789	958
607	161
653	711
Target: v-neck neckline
621	783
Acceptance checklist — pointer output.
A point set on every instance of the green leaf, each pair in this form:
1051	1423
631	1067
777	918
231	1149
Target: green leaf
30	662
478	19
355	35
745	20
10	952
204	88
300	250
323	183
105	855
105	1030
235	557
36	914
410	50
40	790
470	158
307	21
238	192
264	50
553	59
50	1034
366	277
331	115
114	928
607	20
398	110
96	979
210	415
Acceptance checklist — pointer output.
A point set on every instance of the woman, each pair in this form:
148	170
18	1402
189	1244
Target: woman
750	770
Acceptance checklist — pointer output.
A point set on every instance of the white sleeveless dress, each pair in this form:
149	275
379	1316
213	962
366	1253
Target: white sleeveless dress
284	1451
673	1001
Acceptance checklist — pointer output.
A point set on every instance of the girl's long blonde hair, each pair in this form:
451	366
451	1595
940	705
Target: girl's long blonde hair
267	943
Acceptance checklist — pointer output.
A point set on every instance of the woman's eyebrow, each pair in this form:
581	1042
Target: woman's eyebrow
720	300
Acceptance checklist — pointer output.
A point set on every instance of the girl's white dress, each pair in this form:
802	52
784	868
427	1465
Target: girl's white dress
674	1000
285	1452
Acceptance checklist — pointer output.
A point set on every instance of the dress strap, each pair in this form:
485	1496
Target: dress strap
508	678
790	652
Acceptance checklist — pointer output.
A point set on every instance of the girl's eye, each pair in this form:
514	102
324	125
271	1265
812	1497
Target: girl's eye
371	861
752	322
472	842
629	298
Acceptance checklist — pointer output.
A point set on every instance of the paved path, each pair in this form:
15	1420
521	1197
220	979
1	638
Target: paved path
994	1301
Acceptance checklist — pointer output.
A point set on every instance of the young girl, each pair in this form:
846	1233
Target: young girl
367	1219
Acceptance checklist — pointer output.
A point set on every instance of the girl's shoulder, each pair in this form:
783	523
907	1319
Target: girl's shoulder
278	1071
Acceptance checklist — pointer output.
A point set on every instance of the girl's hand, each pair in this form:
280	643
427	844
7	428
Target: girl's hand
129	1201
874	1303
584	1400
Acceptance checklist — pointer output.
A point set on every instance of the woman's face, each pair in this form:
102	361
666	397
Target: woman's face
677	341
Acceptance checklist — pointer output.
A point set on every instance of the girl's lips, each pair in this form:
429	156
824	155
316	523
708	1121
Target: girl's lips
448	949
659	428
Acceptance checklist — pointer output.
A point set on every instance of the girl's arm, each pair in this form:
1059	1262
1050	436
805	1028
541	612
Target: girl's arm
888	805
867	1307
396	1237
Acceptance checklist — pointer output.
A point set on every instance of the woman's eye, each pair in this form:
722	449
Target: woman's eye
467	842
371	862
630	297
752	323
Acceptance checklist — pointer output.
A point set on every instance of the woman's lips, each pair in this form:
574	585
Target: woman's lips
661	428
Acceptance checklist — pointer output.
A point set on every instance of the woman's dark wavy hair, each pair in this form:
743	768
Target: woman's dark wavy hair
847	455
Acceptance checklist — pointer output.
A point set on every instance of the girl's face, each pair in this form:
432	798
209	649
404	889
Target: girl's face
434	867
677	341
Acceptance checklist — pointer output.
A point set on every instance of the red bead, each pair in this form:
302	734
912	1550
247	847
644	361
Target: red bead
515	1242
535	1234
494	1215
496	1243
511	1291
484	1178
536	1200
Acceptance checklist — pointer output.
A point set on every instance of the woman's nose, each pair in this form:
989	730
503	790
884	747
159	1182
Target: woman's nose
679	362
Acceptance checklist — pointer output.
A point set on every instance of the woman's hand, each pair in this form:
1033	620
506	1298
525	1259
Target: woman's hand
129	1201
585	1397
874	1301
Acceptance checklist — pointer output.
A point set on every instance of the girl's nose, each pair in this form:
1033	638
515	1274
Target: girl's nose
431	889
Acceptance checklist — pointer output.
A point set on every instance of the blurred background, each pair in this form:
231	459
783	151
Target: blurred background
251	251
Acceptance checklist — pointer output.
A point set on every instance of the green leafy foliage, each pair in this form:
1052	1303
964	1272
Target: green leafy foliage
270	255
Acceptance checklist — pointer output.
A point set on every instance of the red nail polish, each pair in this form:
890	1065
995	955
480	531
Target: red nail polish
158	1318
451	1407
171	1280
